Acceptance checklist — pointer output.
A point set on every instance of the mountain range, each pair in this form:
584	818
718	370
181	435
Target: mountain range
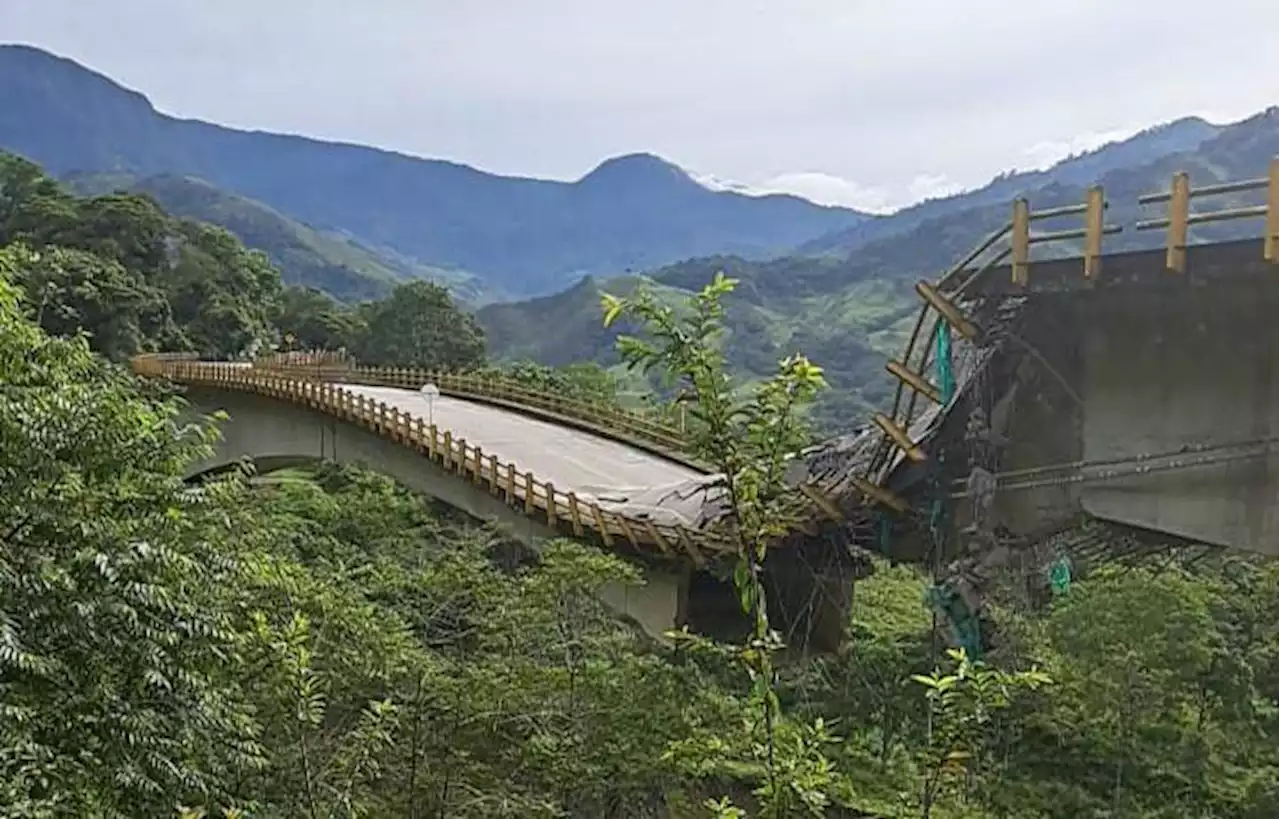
353	221
848	300
518	235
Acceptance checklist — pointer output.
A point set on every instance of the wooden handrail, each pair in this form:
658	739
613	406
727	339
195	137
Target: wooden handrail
521	490
1178	218
636	428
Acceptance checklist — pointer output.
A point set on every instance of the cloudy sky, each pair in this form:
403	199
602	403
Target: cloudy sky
863	102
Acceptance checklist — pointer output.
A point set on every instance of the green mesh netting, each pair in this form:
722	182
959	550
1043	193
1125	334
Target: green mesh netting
1060	575
942	352
965	628
944	598
885	531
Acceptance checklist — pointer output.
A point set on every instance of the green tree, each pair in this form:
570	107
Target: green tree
747	435
224	296
418	325
863	683
21	183
310	320
504	692
964	722
71	291
113	646
1162	708
223	299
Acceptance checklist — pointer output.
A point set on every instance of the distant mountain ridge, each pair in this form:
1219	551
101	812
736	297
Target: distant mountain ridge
849	310
1171	138
325	260
528	236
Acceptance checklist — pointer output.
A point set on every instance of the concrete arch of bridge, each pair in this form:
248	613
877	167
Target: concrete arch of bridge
274	435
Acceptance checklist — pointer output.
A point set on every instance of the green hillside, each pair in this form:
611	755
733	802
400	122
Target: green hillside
325	260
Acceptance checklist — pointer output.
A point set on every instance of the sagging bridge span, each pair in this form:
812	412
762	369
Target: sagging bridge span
1137	389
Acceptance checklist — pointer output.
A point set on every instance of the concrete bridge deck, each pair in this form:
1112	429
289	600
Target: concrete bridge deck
592	467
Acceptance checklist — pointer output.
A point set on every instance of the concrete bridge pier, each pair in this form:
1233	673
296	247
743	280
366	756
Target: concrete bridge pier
660	605
810	588
808	594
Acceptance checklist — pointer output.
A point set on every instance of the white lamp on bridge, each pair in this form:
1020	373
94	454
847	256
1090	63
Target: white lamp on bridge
431	392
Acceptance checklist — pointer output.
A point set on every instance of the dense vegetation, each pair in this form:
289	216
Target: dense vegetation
137	279
330	645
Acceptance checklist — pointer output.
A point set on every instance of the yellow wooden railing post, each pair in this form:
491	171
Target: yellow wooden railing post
1179	210
627	531
551	504
1095	211
460	462
1020	239
1270	252
575	519
601	526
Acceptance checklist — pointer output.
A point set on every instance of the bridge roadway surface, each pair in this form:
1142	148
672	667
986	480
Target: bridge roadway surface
615	474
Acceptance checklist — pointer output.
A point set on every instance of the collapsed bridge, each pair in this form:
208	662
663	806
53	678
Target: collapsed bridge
1134	388
1059	404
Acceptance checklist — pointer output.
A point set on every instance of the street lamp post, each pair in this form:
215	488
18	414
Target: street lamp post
431	392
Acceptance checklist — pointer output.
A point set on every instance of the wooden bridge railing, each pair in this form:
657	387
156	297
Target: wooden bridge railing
540	500
608	420
1014	241
1179	218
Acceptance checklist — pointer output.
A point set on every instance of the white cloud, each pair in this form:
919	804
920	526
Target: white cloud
931	186
829	189
1049	152
822	188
